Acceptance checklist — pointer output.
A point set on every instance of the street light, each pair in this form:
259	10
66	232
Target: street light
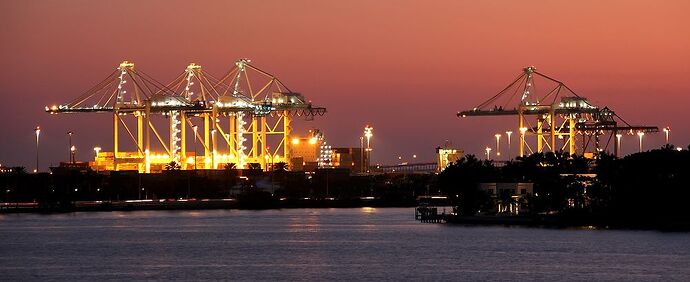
368	133
498	144
618	140
488	152
213	143
361	154
640	133
522	137
95	161
147	154
268	155
509	151
71	151
667	130
195	128
38	132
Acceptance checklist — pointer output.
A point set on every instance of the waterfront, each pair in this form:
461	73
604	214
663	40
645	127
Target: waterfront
322	244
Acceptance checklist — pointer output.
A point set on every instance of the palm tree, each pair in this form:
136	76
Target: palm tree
281	166
505	198
462	179
172	166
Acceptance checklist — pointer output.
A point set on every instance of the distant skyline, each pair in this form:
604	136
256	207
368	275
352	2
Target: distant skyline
404	67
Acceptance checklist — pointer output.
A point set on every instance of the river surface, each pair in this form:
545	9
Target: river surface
322	244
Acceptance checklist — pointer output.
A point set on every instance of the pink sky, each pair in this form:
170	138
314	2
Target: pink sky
405	67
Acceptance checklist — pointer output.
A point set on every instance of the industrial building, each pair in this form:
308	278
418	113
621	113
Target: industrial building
354	159
306	151
447	156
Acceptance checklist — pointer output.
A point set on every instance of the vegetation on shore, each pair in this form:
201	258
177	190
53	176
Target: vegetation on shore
643	190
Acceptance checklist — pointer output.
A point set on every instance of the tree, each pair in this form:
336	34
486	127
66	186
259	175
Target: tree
505	199
172	166
461	181
280	166
255	166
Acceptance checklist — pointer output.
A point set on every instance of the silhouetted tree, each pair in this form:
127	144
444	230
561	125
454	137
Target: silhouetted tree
649	188
256	166
172	166
280	166
461	181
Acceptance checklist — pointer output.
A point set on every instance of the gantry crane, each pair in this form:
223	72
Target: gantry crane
196	94
560	113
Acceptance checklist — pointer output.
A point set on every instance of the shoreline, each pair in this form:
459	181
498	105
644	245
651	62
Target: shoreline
557	221
195	204
531	221
565	222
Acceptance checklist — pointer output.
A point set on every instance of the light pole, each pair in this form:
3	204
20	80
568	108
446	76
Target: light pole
95	161
361	152
268	155
498	144
509	151
71	151
640	134
147	159
368	133
488	152
667	130
195	128
269	167
523	130
38	132
213	143
618	140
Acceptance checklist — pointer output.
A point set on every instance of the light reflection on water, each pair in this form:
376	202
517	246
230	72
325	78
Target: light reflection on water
322	244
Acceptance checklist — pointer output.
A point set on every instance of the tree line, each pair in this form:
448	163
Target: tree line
645	189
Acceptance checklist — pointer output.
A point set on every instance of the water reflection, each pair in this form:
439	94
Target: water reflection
323	244
368	210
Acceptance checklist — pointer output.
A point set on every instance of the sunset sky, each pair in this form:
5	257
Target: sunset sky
405	67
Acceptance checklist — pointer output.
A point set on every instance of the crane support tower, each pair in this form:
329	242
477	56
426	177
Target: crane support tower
563	118
238	120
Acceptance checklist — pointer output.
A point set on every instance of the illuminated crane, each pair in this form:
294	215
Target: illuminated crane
195	94
560	114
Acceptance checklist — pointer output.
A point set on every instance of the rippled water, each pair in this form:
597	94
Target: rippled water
322	244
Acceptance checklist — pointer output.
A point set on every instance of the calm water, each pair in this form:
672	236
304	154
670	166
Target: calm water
322	244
